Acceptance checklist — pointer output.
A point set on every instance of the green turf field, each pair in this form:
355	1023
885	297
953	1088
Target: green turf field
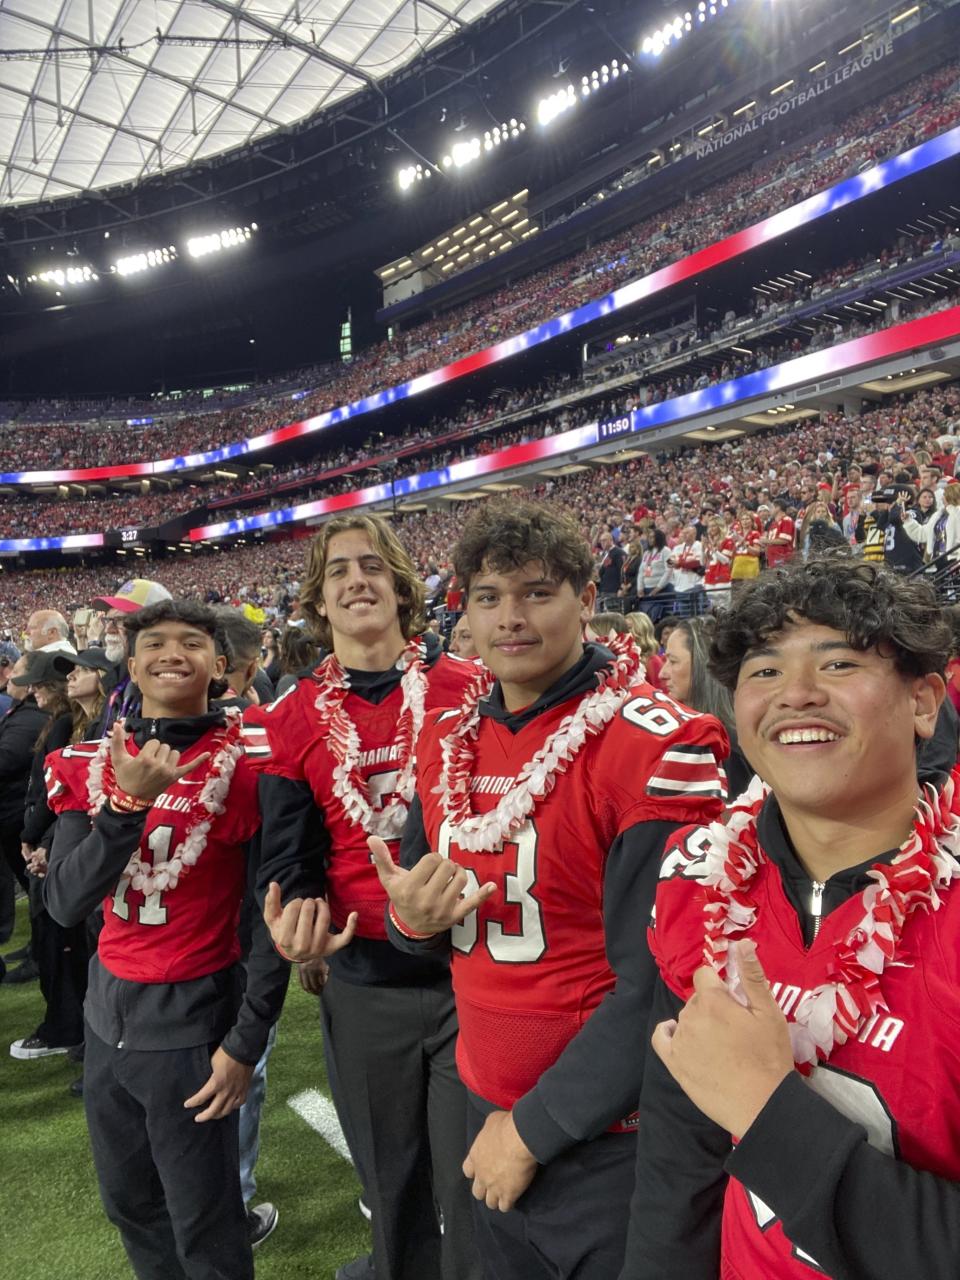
53	1225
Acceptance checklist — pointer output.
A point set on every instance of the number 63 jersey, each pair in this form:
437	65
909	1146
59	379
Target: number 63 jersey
190	930
530	966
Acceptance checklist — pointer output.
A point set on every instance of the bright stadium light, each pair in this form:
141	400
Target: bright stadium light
134	263
411	174
465	153
62	276
200	246
555	105
657	42
600	77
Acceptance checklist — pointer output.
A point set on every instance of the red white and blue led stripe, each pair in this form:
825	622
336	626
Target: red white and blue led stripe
942	326
929	153
926	331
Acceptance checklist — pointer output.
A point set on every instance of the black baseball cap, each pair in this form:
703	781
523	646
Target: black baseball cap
40	670
92	660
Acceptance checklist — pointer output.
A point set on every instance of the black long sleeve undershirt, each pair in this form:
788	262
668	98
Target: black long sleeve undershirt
596	1080
678	1195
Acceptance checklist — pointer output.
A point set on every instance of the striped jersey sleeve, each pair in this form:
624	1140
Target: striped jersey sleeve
689	769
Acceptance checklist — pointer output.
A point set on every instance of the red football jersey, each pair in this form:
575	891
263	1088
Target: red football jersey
295	749
190	930
719	566
529	967
779	552
900	1078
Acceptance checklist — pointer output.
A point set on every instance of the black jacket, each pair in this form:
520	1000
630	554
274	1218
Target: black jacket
85	864
19	730
38	818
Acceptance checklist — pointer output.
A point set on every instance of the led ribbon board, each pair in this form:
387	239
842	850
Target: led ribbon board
939	327
12	546
817	206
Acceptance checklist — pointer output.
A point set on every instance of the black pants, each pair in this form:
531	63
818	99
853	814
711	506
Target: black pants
12	872
571	1223
339	1101
63	960
405	1111
170	1186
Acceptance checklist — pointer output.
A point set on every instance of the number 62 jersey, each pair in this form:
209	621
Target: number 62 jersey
530	965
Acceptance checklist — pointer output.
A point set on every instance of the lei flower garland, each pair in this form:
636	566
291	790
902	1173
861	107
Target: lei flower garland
478	832
926	864
209	804
343	739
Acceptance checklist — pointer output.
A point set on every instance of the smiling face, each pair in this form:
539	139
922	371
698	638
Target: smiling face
173	664
359	599
831	728
527	628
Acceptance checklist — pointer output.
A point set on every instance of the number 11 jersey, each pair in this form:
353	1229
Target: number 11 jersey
190	930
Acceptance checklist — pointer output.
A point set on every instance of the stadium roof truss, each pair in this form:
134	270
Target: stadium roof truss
100	93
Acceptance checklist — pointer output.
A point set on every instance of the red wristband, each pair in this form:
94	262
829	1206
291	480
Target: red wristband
123	802
405	928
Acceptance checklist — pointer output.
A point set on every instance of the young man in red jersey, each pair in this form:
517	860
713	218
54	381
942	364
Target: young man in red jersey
153	821
548	804
339	768
810	964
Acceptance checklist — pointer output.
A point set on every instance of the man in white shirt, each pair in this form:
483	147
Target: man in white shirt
47	630
687	565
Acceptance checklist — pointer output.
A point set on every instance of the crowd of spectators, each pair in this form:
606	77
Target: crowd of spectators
924	107
671	367
726	491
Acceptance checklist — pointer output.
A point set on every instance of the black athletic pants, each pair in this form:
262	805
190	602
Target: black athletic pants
169	1185
12	872
63	960
571	1223
405	1113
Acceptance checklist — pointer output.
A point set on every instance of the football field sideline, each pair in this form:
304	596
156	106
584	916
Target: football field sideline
55	1228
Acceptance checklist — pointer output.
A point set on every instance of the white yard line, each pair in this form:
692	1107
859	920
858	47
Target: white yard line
321	1115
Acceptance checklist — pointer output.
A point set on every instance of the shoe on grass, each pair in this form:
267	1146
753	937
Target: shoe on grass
35	1047
76	1088
261	1220
358	1269
22	953
25	972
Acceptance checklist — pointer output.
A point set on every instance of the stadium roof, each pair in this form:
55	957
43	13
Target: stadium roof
93	95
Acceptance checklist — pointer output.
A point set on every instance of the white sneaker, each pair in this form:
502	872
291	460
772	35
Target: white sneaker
35	1047
261	1221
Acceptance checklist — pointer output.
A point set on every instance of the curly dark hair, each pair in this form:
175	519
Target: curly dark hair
190	612
505	535
873	607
